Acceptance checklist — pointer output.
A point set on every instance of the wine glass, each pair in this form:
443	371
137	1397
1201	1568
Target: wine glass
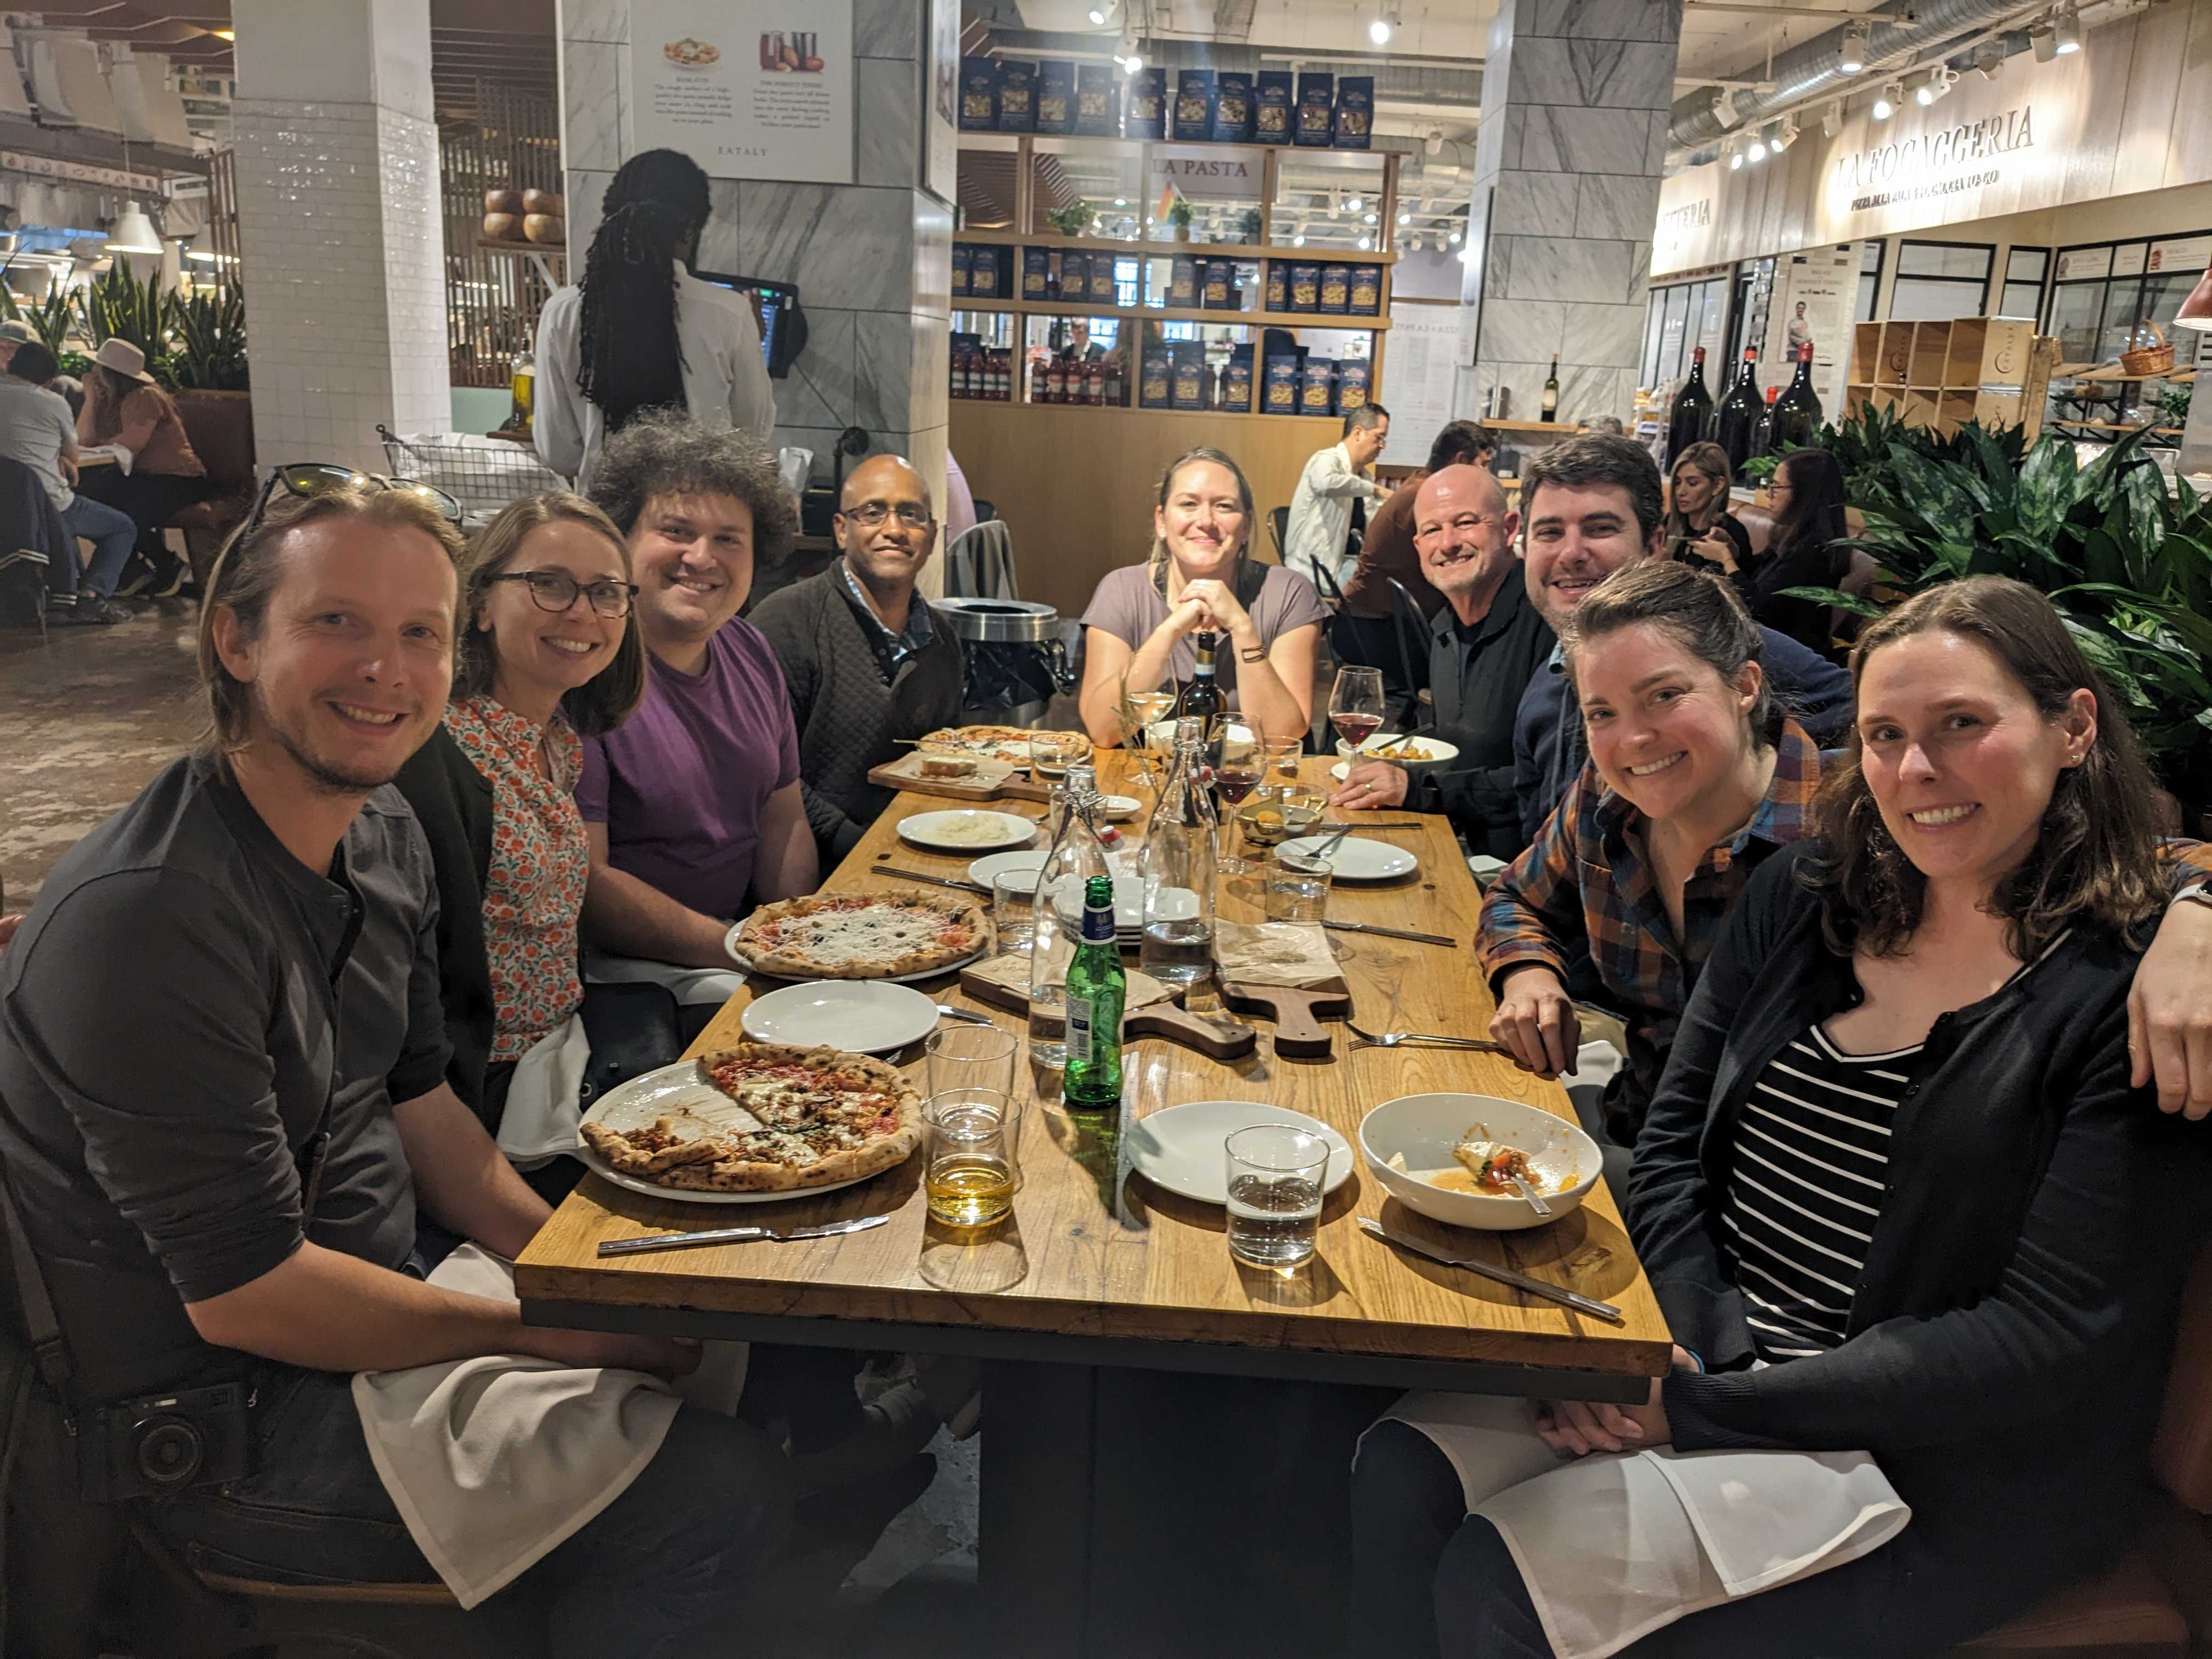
1140	708
1241	760
1355	704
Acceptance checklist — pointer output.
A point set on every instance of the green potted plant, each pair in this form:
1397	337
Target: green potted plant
1071	222
1179	215
117	305
1254	227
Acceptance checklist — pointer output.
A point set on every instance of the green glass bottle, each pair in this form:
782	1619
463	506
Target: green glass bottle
1097	987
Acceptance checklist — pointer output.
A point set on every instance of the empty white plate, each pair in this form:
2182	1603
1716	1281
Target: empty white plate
1129	891
861	1016
966	830
1182	1148
1358	860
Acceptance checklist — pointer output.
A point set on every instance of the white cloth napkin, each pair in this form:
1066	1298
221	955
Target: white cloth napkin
543	1108
494	1462
688	985
1612	1548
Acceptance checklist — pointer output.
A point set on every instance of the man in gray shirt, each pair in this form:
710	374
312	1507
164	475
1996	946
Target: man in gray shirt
37	429
222	1099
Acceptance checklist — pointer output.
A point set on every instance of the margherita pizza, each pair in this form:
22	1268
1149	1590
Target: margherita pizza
787	1118
1005	743
860	935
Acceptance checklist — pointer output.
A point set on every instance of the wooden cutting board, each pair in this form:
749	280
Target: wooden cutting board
1155	1015
1297	1012
993	780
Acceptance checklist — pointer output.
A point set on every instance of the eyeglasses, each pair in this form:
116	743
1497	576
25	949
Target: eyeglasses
870	514
1466	521
308	479
557	590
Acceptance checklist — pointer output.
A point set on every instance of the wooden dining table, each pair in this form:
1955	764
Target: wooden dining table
1096	1270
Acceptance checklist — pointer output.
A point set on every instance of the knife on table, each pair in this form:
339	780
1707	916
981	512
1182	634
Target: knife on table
1389	932
939	881
1595	1309
734	1236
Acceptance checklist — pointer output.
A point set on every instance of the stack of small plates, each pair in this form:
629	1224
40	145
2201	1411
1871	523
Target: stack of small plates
1128	892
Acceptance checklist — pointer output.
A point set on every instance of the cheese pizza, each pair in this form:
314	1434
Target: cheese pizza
860	935
1005	743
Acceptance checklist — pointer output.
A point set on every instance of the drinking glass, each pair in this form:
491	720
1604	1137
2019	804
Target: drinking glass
1355	704
1276	1174
1013	911
1142	707
972	1124
1050	752
1239	765
1298	886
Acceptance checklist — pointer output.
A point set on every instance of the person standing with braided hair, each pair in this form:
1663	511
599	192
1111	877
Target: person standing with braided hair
640	332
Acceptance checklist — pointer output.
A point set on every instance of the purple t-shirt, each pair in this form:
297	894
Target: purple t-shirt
681	783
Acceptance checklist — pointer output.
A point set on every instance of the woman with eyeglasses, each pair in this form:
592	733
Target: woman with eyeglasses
547	653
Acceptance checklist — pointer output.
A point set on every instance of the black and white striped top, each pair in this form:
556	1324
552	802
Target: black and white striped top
1811	1158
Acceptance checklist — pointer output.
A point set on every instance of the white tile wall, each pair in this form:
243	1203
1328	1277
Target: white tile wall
338	213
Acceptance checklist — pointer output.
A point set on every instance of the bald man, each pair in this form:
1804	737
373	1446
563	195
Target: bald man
1484	646
867	661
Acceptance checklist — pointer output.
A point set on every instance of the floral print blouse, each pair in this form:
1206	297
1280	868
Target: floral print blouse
534	891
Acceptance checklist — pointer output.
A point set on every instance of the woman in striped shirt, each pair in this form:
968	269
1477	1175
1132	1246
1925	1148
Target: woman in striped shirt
1920	1236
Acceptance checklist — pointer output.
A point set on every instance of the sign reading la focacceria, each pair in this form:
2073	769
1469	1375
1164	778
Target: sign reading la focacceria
1921	167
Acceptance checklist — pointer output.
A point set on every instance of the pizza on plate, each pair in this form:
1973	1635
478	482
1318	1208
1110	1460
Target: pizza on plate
860	935
1005	743
782	1118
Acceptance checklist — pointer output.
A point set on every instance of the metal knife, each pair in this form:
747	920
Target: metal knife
1595	1309
1390	933
939	881
1380	823
734	1236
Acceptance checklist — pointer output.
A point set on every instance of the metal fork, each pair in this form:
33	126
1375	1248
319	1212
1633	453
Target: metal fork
1393	1039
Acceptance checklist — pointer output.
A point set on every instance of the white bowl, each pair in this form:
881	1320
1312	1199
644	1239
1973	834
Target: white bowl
1439	753
1425	1127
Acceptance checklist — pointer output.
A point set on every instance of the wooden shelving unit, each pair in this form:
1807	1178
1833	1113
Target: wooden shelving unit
1996	370
1164	249
1360	324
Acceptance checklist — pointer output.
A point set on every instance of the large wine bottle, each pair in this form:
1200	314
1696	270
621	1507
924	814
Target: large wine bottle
1797	410
1738	417
1693	412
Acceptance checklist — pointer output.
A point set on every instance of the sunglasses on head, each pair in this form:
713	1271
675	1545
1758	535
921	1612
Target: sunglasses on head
308	479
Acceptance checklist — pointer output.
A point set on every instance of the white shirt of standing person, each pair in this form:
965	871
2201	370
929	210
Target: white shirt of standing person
725	377
1321	516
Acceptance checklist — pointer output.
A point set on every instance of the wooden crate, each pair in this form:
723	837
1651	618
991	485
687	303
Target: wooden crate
1996	370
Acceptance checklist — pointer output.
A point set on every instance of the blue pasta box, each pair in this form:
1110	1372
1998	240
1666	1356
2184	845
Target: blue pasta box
1194	106
1036	273
1335	289
1316	124
1103	291
1318	387
1352	383
1273	102
1355	111
1232	107
1279	386
1074	278
1189	359
979	95
983	271
1056	97
1305	287
1097	102
1366	290
1276	290
1183	281
1156	384
1017	96
1147	116
1219	291
1236	389
963	258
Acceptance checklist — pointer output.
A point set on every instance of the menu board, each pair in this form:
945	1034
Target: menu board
2183	253
748	88
1423	365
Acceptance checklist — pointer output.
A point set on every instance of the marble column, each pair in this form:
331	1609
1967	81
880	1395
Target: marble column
1568	162
339	217
872	259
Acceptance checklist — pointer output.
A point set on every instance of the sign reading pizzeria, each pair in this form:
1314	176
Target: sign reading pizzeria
748	88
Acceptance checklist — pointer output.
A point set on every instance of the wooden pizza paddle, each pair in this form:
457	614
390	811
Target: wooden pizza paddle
1218	1039
1297	1014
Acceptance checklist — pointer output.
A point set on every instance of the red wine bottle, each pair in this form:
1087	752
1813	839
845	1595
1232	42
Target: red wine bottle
1797	410
1693	412
1737	420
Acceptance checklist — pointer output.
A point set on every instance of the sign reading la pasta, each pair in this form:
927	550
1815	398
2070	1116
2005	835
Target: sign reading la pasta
748	88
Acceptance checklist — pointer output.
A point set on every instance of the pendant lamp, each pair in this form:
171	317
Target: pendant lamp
2196	310
134	233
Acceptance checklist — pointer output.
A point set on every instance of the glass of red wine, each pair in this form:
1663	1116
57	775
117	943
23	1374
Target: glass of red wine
1355	705
1240	759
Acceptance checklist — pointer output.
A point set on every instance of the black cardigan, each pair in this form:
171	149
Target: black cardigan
452	801
2009	1340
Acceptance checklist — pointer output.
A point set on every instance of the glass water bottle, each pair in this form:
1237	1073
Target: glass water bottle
1078	852
1177	867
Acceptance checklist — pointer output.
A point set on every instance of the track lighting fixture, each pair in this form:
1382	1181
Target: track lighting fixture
1856	36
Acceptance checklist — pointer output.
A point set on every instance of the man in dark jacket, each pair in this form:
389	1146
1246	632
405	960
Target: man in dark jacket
867	661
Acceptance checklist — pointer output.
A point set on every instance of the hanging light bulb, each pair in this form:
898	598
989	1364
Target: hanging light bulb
134	233
1097	18
1454	239
1391	15
1857	35
1351	205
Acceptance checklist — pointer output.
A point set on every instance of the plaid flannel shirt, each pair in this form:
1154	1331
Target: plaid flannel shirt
1587	877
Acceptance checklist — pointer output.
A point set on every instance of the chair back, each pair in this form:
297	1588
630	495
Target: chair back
2181	1456
979	563
1278	529
1410	628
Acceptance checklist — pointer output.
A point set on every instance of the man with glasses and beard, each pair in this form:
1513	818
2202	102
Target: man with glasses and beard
223	1105
867	661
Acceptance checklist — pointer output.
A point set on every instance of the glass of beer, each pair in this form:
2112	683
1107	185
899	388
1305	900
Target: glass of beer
971	1126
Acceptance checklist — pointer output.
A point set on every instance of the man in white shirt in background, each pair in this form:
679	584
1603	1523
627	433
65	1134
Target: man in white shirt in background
1320	507
38	429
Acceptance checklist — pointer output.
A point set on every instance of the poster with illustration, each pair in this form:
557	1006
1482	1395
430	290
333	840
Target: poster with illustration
1815	298
748	88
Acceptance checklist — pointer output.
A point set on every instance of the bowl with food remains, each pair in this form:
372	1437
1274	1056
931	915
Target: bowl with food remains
1417	753
1442	1154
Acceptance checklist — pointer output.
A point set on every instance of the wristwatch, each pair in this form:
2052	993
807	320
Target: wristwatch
2200	893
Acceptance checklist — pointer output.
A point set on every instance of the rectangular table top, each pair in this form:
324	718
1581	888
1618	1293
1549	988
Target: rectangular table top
1095	1253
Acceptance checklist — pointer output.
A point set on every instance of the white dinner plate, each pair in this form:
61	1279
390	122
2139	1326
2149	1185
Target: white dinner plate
966	830
865	1016
1358	859
744	961
1129	891
1182	1148
1118	809
674	1091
